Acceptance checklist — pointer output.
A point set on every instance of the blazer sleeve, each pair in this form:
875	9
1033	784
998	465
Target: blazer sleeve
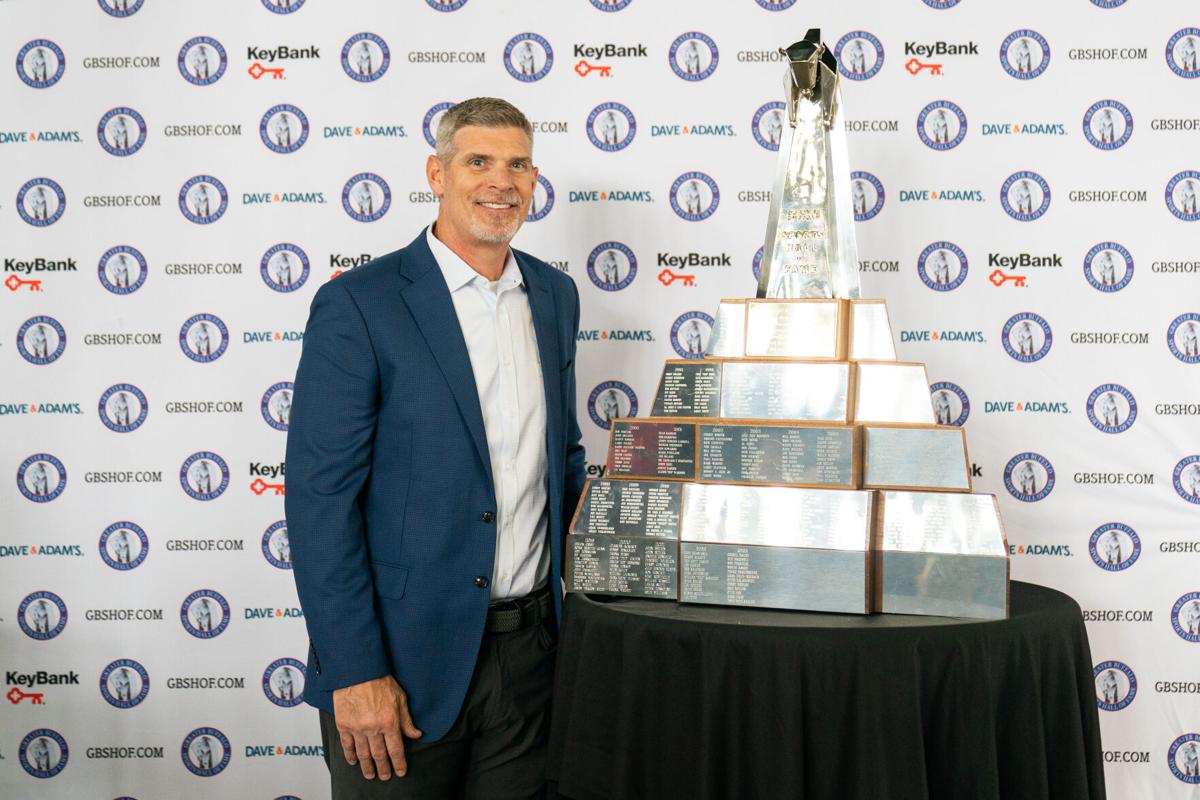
331	435
576	474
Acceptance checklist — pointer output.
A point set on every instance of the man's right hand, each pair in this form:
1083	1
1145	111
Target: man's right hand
371	717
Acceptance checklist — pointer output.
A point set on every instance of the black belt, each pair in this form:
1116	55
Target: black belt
507	616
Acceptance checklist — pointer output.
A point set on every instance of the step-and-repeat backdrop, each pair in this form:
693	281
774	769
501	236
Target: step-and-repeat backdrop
176	180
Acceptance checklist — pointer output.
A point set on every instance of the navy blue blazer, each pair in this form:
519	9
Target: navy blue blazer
390	499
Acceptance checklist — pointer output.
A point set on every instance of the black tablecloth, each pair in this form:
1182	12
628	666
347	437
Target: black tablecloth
658	700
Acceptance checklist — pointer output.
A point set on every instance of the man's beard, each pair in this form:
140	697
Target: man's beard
502	235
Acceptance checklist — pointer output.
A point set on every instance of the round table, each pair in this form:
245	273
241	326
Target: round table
658	700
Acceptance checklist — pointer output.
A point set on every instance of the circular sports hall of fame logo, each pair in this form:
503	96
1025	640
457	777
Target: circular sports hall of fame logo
867	196
942	125
276	405
1111	408
611	127
695	196
122	269
124	683
1183	337
284	267
1116	685
612	266
528	57
42	615
276	548
767	125
204	476
1183	52
120	8
123	408
365	57
1185	617
1024	54
204	614
611	400
1114	546
756	264
203	199
1108	267
942	266
366	197
776	5
433	118
41	478
40	63
43	753
690	332
446	5
941	5
121	131
542	200
41	340
1029	477
282	6
283	128
859	55
1107	124
693	56
1025	196
1183	757
123	545
205	752
1186	478
951	406
202	61
611	5
1183	195
1027	337
41	202
283	682
204	338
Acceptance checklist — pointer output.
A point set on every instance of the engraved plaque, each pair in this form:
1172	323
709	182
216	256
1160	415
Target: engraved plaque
728	339
923	458
636	566
871	332
688	389
892	392
650	449
812	456
793	329
787	391
940	522
630	508
777	516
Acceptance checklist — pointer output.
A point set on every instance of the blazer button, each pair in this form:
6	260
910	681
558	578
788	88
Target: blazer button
481	581
488	516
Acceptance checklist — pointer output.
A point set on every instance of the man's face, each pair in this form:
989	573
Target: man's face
486	184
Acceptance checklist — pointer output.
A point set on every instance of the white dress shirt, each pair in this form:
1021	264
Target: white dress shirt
498	328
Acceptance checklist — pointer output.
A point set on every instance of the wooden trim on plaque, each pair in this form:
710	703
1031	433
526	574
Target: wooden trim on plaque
845	313
876	549
913	426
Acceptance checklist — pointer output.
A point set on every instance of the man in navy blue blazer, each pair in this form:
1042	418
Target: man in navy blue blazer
433	464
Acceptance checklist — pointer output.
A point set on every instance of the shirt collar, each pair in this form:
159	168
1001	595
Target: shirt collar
459	273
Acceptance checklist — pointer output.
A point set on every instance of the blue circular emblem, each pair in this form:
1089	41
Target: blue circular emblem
284	267
854	60
120	8
119	549
1183	338
41	478
196	338
1107	124
198	753
944	394
276	405
528	57
116	135
612	266
942	125
1017	196
1108	3
41	340
768	126
687	61
365	57
690	332
41	202
1114	546
693	205
1183	52
204	614
1025	54
446	5
1189	746
283	682
867	196
1100	267
936	270
43	753
202	61
427	125
1020	337
1186	479
1022	480
776	5
1111	408
1113	693
122	269
1185	617
197	478
366	197
40	63
543	200
756	264
276	548
611	5
941	5
123	408
124	683
282	6
42	615
611	400
283	128
203	199
1182	195
607	130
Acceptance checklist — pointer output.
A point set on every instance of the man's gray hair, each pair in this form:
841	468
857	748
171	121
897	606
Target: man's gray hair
486	112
